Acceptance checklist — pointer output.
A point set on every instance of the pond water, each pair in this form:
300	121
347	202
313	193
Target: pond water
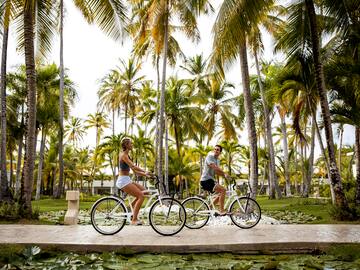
34	258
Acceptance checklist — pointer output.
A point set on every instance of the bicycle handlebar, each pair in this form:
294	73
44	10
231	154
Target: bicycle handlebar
157	182
234	184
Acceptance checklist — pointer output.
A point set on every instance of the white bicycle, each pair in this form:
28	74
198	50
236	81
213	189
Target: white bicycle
166	215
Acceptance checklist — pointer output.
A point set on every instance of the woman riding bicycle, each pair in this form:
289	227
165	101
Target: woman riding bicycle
124	182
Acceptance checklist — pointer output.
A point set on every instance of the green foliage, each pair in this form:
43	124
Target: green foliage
350	213
31	257
11	211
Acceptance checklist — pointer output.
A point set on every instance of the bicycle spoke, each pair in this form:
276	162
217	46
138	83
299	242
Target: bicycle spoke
108	215
245	212
167	216
197	213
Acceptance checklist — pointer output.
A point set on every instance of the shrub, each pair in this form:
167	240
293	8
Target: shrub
14	211
342	213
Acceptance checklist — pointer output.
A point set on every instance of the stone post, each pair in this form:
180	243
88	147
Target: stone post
71	216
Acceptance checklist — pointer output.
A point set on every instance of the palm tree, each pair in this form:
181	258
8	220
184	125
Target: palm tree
159	16
109	15
48	108
320	83
109	95
7	11
218	108
99	121
182	116
75	130
29	163
232	25
111	148
130	86
196	67
231	148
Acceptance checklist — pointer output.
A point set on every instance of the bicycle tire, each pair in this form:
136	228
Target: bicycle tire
104	220
167	216
245	212
194	218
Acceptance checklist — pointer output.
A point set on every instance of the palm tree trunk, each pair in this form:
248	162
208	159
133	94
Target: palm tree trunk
126	113
18	164
296	167
286	155
340	146
250	122
156	143
4	189
323	152
61	105
268	131
41	159
320	82
162	96
357	153
310	171
31	107
11	182
113	122
167	156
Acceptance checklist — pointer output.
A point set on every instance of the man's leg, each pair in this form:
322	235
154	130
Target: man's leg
221	198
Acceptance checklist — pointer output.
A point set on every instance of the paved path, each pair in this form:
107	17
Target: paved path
261	239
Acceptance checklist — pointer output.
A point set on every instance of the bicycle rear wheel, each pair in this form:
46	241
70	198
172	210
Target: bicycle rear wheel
197	213
108	215
167	216
245	212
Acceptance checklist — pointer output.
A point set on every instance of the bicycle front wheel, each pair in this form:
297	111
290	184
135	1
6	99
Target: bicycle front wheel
108	215
167	216
197	212
245	212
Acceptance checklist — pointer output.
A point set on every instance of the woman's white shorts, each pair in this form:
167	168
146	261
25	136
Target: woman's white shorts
122	181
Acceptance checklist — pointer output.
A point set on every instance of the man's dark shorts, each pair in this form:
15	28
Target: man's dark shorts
208	185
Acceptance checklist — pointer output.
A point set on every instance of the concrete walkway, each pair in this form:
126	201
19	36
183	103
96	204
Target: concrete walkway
261	239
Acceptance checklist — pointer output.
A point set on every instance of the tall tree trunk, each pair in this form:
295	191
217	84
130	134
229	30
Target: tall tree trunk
11	182
167	156
157	128
31	106
61	105
286	154
249	113
320	83
113	122
323	152
162	95
310	170
357	153
18	164
296	168
41	159
268	130
4	189
340	146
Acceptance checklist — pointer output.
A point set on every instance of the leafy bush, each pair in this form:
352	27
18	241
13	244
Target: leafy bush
10	211
342	213
14	211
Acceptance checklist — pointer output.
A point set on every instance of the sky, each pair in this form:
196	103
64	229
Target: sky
89	55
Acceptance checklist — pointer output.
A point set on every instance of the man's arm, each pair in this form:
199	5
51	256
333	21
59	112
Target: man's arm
218	170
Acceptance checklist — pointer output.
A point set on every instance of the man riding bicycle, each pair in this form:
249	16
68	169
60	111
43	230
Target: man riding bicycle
207	180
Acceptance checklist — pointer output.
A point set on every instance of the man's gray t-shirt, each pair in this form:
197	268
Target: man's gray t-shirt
208	172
